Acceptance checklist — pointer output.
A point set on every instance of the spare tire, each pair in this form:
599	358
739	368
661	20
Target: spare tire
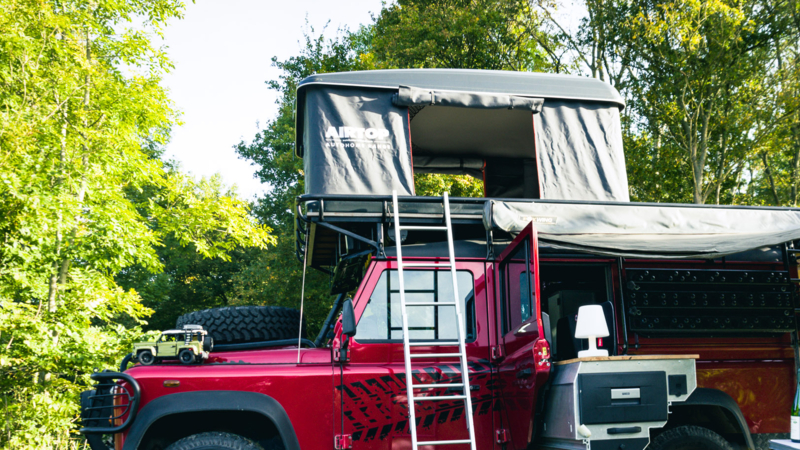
237	324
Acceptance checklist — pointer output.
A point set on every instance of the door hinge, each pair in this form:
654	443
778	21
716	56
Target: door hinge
341	354
342	441
497	353
501	436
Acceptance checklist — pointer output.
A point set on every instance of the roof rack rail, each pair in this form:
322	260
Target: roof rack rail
363	221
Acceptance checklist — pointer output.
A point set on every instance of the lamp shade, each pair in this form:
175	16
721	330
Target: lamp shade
591	322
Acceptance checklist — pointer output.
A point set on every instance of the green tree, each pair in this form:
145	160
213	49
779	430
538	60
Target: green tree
83	198
465	34
702	85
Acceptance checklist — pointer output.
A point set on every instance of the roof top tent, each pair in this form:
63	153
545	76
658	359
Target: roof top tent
526	135
548	148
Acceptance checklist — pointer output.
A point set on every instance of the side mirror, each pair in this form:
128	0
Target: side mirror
348	319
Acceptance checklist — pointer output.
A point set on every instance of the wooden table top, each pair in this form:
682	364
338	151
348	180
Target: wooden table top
625	358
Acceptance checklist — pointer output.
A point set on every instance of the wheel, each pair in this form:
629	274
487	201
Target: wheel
146	357
186	356
214	441
689	438
208	344
235	324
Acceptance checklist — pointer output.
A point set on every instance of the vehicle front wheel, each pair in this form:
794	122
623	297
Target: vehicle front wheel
214	441
689	438
146	357
186	356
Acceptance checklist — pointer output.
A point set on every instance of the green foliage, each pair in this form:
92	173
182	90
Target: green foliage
83	198
706	83
466	34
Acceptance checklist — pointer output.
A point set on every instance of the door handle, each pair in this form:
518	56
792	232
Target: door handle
524	373
472	387
624	430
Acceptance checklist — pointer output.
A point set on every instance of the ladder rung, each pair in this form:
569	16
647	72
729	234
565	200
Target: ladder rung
434	355
433	344
412	264
430	304
438	386
454	442
441	228
440	398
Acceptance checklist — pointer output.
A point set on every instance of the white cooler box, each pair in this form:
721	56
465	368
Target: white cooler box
612	402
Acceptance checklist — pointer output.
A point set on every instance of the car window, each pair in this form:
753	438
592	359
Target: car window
381	320
517	288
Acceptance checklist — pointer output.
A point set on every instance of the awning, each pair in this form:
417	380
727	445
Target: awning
648	230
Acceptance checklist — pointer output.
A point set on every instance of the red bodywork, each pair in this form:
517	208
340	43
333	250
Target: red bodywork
365	397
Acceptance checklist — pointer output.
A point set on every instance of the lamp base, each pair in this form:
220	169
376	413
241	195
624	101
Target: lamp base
592	352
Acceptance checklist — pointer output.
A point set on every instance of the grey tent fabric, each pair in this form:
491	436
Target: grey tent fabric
579	152
650	231
356	142
356	139
412	96
472	132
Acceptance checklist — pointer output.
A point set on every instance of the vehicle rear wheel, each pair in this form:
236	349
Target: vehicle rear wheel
214	441
146	357
186	356
689	438
236	324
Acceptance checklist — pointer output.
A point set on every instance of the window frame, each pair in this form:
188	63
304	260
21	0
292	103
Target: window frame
505	286
469	316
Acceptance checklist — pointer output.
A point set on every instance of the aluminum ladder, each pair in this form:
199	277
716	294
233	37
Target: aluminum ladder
461	332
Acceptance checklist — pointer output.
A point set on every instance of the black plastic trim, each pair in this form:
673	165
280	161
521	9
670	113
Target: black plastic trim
714	397
183	402
616	444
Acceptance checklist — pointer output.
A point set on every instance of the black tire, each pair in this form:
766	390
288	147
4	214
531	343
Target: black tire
689	438
186	356
208	344
146	357
235	324
214	440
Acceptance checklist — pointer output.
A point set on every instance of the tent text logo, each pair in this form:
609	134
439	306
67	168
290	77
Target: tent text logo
356	133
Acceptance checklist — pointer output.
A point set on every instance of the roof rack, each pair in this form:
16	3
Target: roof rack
337	225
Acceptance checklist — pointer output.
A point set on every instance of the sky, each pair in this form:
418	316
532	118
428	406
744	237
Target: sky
222	52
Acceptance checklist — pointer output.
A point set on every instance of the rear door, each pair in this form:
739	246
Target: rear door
525	365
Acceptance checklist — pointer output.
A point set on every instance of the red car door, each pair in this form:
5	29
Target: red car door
525	363
371	389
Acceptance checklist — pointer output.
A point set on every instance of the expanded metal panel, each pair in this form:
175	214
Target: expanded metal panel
709	302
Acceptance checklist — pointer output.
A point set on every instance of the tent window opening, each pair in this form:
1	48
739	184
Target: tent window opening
496	146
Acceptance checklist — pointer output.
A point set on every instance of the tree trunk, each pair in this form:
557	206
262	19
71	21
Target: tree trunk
768	171
795	161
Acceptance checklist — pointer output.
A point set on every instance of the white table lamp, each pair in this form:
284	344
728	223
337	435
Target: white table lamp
591	325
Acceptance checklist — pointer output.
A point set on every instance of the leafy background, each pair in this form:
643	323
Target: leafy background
103	241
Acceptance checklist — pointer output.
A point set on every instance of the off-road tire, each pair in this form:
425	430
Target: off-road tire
208	344
214	440
186	356
689	438
145	357
237	324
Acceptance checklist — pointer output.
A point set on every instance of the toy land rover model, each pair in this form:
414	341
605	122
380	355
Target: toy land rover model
189	345
464	331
